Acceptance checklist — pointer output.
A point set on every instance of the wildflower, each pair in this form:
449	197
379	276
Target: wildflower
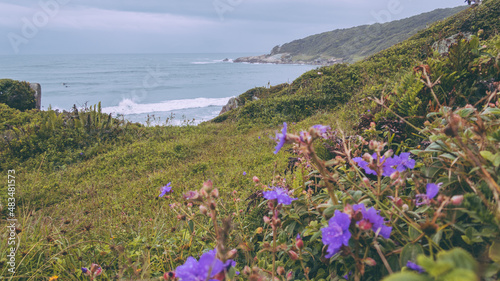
244	173
205	269
387	170
166	189
322	130
94	271
432	191
280	139
402	162
336	233
372	219
55	277
279	194
191	195
415	267
347	275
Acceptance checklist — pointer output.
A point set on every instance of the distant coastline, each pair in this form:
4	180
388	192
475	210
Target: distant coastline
286	58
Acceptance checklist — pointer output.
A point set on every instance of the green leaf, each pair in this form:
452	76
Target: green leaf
413	233
410	253
494	252
191	226
407	276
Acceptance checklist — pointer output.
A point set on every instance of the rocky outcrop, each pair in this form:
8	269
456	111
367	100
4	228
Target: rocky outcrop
443	46
38	94
286	58
231	104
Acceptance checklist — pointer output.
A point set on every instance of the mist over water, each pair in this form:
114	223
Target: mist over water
187	86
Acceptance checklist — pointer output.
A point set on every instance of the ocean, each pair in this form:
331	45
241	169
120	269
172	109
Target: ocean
188	87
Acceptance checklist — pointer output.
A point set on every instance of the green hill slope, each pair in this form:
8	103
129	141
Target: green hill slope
358	42
351	44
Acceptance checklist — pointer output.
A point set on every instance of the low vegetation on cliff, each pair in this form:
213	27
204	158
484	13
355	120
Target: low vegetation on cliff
385	168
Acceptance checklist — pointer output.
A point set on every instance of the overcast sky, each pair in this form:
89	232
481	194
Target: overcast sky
185	26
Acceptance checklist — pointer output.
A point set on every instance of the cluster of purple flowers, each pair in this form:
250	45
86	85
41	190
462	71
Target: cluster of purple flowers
207	268
281	138
279	194
389	165
337	233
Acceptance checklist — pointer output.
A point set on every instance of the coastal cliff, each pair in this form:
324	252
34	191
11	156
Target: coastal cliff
351	44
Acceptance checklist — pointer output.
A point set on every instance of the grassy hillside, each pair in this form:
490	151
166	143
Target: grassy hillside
87	185
352	44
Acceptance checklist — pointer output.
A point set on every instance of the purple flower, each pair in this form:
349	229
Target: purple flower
280	139
244	173
372	217
84	270
336	233
402	162
415	267
432	191
347	275
387	170
166	189
280	194
193	270
322	129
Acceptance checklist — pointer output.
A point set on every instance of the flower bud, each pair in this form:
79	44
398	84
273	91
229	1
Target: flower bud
293	255
169	275
190	204
232	254
299	243
215	193
457	200
348	210
276	222
280	270
405	207
212	206
365	225
207	186
267	220
289	275
388	153
247	270
395	175
366	181
370	262
255	179
203	209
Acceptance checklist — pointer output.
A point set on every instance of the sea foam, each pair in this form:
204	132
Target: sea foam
128	106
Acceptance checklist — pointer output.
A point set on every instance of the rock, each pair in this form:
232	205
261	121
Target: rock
443	46
286	58
38	94
231	104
